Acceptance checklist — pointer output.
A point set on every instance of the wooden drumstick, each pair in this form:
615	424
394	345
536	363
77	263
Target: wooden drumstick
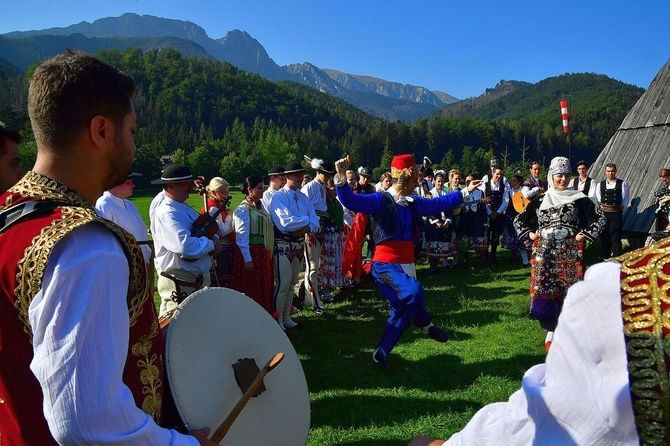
230	419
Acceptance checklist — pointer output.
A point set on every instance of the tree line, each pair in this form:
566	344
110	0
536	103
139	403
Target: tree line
223	121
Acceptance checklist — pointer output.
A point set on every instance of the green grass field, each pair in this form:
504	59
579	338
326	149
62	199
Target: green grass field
431	388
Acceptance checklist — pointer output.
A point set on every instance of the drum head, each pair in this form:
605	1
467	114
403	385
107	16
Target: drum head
211	330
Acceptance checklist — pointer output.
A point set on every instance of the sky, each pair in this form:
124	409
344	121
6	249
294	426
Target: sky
460	47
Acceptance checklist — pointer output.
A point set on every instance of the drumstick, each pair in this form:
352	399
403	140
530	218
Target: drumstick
230	419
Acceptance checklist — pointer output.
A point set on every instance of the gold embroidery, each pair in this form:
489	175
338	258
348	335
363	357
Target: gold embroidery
646	315
30	271
150	374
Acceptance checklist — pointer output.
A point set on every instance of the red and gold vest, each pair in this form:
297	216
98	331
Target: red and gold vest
645	305
24	250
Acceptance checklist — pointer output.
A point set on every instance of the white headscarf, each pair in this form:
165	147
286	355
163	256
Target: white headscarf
554	198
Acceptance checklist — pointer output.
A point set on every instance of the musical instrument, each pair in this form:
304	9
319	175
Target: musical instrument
205	225
485	200
210	333
519	201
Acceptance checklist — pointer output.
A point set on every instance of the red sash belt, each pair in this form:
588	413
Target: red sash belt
394	251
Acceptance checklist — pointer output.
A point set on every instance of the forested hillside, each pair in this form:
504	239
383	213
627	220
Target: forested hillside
221	120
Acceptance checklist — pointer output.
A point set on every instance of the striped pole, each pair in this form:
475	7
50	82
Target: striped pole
564	114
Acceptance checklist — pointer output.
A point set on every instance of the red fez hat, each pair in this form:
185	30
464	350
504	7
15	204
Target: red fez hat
400	163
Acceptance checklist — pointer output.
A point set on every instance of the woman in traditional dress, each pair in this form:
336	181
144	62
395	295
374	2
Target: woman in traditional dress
439	229
556	225
252	267
218	197
473	223
511	239
330	275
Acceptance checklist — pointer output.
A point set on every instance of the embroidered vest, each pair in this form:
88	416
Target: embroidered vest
385	224
25	249
645	307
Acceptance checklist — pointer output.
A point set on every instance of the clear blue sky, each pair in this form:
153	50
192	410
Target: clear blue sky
459	47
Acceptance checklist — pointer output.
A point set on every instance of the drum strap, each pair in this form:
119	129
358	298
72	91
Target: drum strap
22	211
178	283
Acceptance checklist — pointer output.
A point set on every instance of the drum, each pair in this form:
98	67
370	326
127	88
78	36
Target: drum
210	332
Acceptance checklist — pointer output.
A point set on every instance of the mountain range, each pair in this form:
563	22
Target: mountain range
389	100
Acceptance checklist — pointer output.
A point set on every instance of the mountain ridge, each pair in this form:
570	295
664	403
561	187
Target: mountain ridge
242	51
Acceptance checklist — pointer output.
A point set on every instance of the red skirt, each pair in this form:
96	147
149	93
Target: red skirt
259	283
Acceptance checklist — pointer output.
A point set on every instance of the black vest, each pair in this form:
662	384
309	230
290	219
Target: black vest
495	195
587	185
611	197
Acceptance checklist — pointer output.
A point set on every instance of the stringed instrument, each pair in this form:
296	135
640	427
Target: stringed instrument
485	200
519	201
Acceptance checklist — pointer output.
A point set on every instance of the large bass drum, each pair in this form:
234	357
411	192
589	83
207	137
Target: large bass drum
211	331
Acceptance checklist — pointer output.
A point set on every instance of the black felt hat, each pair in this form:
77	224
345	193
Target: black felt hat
174	173
277	170
327	168
294	167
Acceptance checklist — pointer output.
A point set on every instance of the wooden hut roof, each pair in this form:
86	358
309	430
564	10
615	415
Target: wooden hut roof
640	148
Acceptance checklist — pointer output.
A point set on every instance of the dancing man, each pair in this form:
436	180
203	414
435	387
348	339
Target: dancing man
393	220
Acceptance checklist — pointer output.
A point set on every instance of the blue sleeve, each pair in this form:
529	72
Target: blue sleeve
432	206
367	204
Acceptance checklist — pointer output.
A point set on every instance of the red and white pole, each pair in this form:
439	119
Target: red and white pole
564	114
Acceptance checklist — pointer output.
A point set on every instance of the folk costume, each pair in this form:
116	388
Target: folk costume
662	210
315	190
65	268
472	226
394	230
221	273
330	275
613	198
511	239
439	234
587	186
182	261
125	214
255	243
557	258
496	213
290	210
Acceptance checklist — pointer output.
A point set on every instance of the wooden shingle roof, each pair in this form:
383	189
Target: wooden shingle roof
640	148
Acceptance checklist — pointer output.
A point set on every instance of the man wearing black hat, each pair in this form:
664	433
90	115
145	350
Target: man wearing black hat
364	186
316	192
114	205
295	223
182	261
277	181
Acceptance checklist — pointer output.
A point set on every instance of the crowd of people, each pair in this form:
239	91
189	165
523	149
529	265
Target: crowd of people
77	277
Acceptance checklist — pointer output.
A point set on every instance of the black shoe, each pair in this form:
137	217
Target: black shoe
437	333
380	360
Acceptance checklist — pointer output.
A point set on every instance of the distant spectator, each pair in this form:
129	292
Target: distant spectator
10	158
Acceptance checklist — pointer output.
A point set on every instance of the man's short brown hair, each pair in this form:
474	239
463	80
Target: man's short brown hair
69	90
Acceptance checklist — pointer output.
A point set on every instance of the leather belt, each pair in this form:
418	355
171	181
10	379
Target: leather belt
611	207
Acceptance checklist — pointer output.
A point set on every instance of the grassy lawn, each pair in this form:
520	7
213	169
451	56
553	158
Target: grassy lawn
431	388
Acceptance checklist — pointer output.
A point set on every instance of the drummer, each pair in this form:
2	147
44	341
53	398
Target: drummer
80	354
182	261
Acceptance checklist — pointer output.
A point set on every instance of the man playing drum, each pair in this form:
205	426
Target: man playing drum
80	350
182	260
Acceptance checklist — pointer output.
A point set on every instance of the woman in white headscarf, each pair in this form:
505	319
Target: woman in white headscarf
559	224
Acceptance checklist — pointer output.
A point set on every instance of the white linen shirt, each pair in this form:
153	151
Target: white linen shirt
291	210
316	192
125	214
580	395
81	333
267	198
242	225
625	191
505	198
171	231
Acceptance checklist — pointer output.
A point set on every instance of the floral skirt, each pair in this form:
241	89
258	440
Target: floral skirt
511	239
330	274
556	265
